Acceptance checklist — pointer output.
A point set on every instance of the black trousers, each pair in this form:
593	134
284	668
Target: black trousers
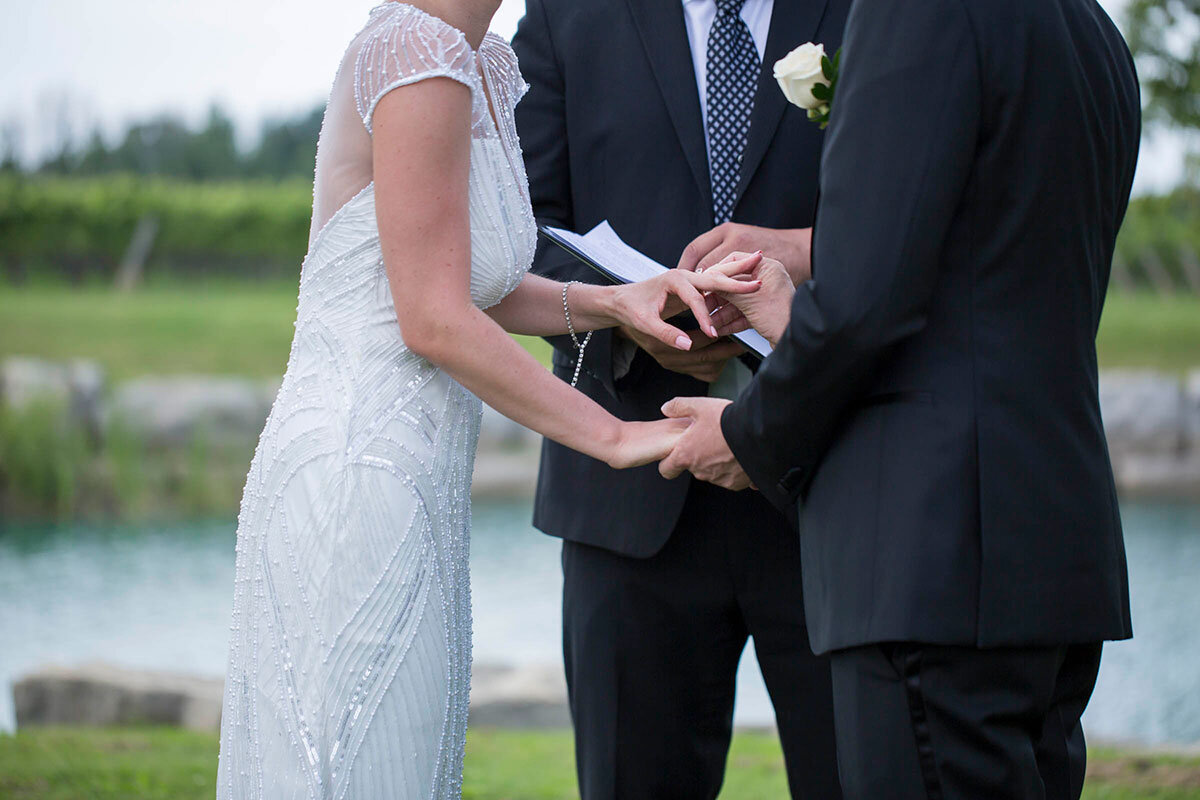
652	649
933	722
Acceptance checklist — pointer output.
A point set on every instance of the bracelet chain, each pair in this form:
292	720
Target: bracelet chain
571	330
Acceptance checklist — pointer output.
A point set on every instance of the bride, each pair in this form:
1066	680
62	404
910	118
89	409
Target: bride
349	659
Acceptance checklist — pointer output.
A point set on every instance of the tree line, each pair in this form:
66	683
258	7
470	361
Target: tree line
1163	35
166	146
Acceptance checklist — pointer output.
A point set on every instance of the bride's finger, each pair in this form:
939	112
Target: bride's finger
682	285
739	265
665	332
712	281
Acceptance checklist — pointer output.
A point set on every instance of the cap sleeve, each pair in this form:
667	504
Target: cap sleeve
405	45
502	66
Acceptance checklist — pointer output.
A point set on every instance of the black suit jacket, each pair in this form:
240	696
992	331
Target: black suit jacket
933	402
611	129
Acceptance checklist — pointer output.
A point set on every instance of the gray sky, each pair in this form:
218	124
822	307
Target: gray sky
114	61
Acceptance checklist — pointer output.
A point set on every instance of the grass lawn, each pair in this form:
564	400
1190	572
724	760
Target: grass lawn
245	329
234	329
167	764
1146	330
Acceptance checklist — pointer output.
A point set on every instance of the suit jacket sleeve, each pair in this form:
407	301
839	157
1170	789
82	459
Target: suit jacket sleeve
542	124
897	160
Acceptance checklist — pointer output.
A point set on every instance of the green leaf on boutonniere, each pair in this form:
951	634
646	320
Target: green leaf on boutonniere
837	58
828	69
822	92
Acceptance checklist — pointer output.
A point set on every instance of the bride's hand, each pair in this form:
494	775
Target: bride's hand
643	305
767	310
641	443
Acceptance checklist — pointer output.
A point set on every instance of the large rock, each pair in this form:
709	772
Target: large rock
1191	410
505	474
76	386
498	432
174	410
519	697
99	694
1143	413
1171	475
102	695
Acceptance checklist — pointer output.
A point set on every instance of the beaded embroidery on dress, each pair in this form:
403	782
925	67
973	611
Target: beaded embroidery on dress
350	649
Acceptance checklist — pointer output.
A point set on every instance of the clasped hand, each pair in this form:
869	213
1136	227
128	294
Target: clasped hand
744	291
701	448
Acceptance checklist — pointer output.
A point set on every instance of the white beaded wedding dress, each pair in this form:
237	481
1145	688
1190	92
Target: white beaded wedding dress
350	653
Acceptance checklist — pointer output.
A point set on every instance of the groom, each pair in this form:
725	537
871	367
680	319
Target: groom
932	406
663	117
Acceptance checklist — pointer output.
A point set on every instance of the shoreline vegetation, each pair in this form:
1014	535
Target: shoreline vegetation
218	328
82	227
147	763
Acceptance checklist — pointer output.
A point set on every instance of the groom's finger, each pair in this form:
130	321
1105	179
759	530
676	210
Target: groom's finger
730	320
671	467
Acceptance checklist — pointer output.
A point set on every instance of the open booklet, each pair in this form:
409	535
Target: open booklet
604	251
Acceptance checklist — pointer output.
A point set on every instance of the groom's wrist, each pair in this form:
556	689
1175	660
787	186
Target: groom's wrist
799	265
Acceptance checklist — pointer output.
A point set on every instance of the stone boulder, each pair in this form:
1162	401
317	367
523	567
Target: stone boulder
99	694
172	411
103	695
76	386
1143	413
519	697
1191	410
498	432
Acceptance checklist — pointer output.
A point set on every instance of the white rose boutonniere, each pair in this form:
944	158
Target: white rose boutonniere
808	78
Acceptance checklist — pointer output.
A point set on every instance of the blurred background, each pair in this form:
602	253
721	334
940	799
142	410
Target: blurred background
155	186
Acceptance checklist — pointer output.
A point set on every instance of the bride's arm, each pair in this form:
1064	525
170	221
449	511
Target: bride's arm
421	169
535	306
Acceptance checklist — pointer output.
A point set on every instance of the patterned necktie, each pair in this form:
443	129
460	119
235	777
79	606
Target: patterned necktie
733	69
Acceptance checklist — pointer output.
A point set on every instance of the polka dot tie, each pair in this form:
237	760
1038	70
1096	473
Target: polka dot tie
733	69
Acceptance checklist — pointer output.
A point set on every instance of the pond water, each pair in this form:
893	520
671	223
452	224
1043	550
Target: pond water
158	596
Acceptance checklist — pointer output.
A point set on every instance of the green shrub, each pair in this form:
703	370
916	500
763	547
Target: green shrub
84	225
41	454
1165	226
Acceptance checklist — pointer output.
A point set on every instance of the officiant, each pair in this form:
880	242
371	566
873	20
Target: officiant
662	116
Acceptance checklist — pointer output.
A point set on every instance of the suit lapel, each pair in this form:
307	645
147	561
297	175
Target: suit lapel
663	33
792	23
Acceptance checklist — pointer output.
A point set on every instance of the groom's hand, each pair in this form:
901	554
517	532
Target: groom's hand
704	361
792	247
702	449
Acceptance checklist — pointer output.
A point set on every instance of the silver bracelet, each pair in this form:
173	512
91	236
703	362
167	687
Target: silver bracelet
574	339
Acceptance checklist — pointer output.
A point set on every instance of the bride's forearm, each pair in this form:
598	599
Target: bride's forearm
535	308
540	307
476	352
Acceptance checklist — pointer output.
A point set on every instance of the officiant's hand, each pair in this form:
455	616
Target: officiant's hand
792	247
768	311
704	361
702	449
